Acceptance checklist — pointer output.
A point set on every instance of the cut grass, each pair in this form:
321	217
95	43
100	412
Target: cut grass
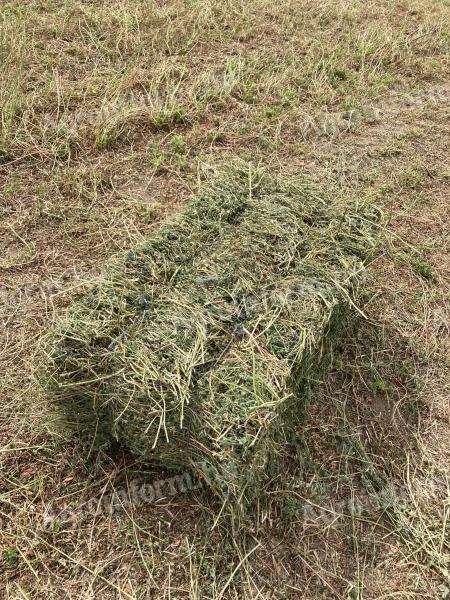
121	73
354	95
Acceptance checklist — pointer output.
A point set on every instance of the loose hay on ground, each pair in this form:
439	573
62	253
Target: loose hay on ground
196	349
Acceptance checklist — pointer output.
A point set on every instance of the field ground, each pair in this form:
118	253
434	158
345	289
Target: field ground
111	113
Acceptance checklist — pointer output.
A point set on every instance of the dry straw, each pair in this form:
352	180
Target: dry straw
198	347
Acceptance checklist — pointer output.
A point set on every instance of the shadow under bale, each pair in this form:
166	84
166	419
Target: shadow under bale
196	350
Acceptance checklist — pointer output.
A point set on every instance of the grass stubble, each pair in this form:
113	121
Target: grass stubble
110	118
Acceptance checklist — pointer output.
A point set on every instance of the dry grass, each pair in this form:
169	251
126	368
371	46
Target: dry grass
109	113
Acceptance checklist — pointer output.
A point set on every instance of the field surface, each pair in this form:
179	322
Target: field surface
111	115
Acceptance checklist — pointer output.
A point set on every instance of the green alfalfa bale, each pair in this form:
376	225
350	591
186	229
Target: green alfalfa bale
195	350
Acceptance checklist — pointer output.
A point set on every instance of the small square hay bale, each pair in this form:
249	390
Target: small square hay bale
196	349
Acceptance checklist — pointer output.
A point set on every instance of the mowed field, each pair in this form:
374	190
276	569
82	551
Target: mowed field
111	115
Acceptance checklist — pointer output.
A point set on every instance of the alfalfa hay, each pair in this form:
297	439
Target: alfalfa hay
196	349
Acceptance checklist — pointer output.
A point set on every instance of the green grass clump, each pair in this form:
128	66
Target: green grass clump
197	348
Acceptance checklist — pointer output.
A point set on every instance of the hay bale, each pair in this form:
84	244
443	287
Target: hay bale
196	349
